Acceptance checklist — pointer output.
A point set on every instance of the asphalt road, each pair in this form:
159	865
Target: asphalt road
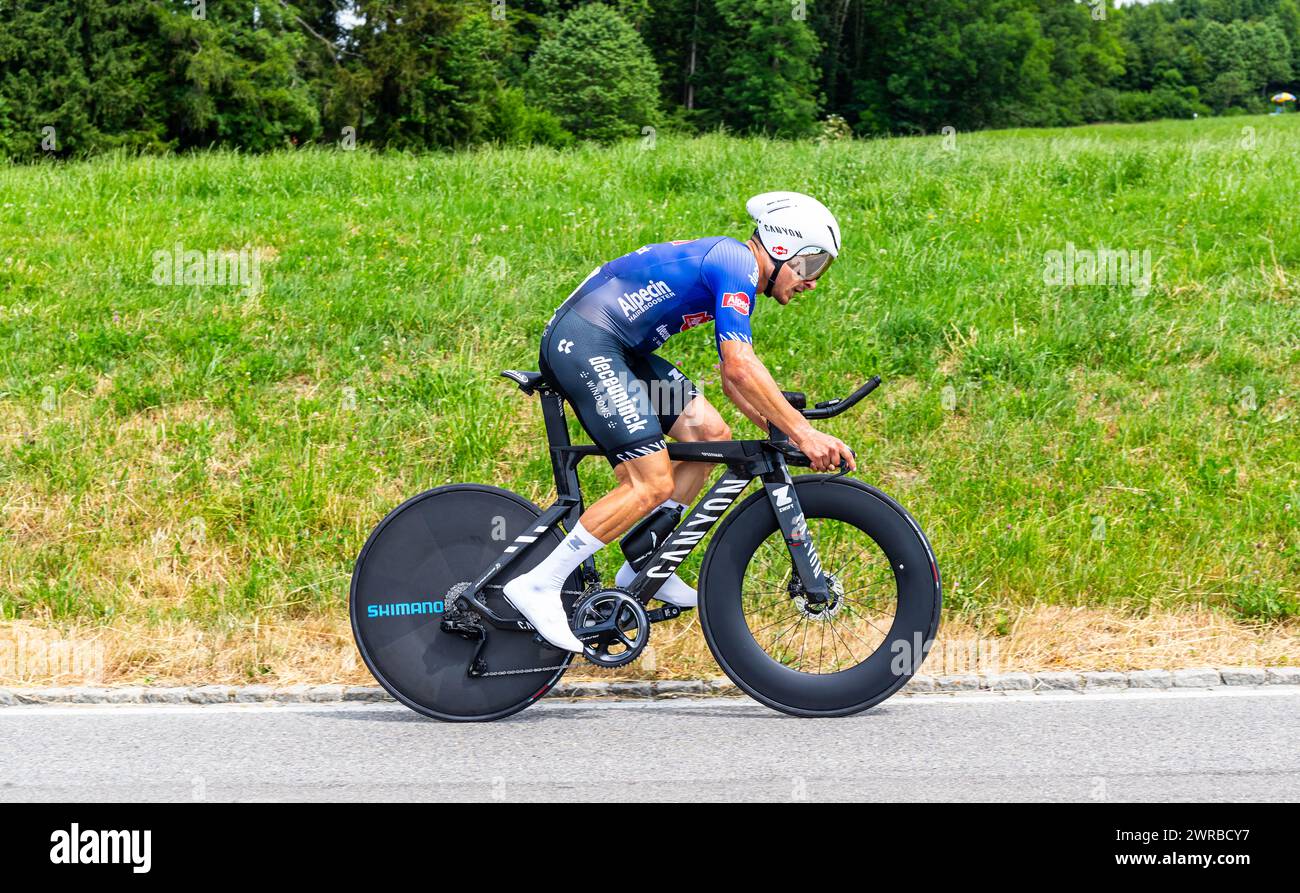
1226	744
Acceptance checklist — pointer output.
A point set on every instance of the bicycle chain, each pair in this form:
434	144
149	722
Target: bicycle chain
522	672
461	587
516	672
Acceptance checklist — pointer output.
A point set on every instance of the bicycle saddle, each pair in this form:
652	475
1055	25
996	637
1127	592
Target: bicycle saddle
529	382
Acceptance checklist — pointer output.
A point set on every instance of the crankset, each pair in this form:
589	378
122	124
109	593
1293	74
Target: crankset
613	625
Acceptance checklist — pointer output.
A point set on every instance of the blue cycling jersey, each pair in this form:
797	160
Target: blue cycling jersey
660	290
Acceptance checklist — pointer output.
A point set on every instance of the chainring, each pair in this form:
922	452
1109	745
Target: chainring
613	625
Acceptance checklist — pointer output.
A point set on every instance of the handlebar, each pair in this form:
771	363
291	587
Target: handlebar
824	410
828	408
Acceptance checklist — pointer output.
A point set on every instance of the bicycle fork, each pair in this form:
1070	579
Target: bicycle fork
794	528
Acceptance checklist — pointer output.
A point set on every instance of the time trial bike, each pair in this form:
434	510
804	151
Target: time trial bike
819	595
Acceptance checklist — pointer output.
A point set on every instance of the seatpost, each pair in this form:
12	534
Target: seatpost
564	466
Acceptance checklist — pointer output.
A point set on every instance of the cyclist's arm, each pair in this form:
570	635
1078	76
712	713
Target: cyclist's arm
742	404
744	374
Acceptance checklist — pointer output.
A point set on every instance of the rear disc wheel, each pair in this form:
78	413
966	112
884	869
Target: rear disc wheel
405	584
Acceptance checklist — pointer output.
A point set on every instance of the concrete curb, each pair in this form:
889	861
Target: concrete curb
1206	677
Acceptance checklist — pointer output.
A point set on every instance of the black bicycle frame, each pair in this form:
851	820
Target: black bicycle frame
745	461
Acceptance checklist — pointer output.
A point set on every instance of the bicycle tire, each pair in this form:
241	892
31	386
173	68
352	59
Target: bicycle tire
842	693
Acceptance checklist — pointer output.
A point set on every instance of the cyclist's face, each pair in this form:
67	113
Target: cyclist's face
788	285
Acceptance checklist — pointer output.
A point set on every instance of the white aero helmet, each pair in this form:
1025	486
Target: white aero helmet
794	229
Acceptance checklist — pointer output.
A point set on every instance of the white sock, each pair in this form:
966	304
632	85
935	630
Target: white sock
675	590
555	568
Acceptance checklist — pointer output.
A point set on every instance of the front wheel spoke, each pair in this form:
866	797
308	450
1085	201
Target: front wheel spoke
852	654
772	645
854	561
798	658
867	620
871	605
874	587
782	619
865	610
781	597
854	633
803	643
835	651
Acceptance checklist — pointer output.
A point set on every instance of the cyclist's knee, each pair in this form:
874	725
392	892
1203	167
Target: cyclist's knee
707	429
701	422
717	429
652	491
651	480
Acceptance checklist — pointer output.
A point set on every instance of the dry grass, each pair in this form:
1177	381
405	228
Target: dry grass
319	649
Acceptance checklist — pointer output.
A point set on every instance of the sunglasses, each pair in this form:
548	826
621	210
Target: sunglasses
810	266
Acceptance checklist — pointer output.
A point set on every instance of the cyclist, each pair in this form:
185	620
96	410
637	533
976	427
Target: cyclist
598	350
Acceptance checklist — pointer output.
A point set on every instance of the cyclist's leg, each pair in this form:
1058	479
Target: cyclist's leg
643	484
610	393
688	416
599	378
701	422
590	368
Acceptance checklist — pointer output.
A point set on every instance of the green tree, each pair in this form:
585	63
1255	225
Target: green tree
91	70
769	82
233	76
596	75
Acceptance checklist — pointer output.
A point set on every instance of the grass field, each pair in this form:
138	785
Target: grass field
1108	473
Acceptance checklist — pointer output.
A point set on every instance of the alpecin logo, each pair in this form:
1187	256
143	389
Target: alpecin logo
634	303
737	301
405	609
77	847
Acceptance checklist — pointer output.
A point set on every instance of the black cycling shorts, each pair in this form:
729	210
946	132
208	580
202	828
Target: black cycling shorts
625	401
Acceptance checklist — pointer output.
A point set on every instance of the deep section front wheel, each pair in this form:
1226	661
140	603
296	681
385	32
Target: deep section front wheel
833	657
405	585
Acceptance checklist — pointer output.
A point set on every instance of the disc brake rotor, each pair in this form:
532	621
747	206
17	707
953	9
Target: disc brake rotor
824	610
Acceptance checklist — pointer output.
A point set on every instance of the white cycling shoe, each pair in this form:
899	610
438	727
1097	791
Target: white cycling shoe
542	606
674	591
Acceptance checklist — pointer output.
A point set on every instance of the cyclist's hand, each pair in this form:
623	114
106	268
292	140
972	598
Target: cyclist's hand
824	451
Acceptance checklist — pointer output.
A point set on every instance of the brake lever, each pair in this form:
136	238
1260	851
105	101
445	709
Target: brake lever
789	450
844	467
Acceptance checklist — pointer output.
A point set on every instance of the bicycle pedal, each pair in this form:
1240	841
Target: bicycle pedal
667	612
